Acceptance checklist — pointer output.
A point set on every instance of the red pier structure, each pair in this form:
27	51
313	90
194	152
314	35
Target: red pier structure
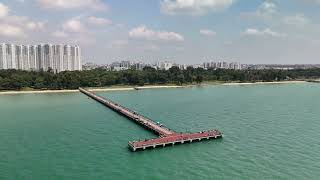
166	135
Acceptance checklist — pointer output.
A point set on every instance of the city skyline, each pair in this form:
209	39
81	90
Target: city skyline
40	57
183	31
162	65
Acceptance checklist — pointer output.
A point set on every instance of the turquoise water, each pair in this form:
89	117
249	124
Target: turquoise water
271	132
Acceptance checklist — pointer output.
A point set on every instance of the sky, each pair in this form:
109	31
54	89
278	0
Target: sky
183	31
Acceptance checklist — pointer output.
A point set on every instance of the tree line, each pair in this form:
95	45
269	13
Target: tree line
18	79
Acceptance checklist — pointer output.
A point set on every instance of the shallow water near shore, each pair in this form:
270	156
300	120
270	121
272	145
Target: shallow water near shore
270	132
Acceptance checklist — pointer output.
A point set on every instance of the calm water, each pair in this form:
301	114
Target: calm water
271	132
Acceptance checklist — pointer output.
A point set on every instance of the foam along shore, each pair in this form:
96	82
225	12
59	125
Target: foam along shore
91	89
261	83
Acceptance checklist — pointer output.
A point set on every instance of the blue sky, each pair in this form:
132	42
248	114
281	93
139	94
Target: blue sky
184	31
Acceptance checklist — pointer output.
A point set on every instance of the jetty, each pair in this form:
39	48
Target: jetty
166	135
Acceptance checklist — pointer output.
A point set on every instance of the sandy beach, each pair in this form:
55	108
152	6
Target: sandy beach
38	92
137	88
157	87
91	89
261	83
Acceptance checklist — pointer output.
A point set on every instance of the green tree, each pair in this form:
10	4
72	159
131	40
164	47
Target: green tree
39	83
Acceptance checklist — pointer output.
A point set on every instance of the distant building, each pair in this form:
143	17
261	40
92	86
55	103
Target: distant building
33	58
123	65
90	66
40	57
10	56
195	66
67	57
58	60
3	56
222	65
164	65
26	57
181	66
161	65
281	66
139	65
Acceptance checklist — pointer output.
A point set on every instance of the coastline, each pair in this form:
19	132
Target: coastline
37	92
262	83
132	88
106	89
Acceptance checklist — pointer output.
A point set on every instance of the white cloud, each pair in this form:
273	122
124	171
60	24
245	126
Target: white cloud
11	31
34	26
4	10
142	32
23	22
265	32
73	25
267	7
207	32
16	26
265	11
75	30
99	21
299	20
59	34
73	4
194	7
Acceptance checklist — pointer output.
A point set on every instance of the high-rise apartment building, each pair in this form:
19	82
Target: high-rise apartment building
19	59
76	58
58	58
11	56
33	56
48	57
67	57
40	57
3	56
26	57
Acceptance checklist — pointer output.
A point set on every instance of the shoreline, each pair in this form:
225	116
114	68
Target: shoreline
262	83
106	89
37	92
132	88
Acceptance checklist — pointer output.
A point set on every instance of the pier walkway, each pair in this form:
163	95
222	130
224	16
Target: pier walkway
167	136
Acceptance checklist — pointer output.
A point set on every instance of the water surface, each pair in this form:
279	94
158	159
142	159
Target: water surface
271	132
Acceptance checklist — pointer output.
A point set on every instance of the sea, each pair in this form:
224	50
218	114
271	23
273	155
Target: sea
270	132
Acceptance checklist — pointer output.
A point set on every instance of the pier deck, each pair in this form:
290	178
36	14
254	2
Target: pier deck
167	136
